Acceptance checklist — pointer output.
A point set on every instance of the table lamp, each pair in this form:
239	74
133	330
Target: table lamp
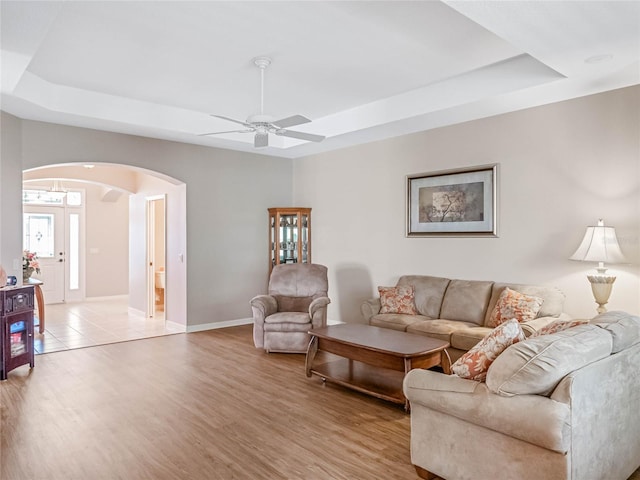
600	244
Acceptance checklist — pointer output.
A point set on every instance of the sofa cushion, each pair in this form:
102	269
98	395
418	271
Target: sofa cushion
553	298
513	304
428	293
475	363
558	326
623	327
467	338
438	328
466	300
396	321
536	365
398	299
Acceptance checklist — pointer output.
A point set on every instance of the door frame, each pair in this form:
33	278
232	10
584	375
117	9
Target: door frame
151	239
64	211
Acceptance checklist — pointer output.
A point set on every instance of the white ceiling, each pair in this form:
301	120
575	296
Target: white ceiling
361	70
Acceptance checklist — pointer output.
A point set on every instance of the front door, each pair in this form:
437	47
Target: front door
44	234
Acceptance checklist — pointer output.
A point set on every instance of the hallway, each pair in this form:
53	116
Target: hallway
95	322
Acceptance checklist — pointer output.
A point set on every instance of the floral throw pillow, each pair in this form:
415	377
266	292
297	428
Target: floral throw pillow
558	326
398	299
476	362
512	304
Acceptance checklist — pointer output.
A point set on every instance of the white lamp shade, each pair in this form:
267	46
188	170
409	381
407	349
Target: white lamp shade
599	244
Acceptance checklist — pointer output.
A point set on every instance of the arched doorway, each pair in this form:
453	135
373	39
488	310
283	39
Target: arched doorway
110	266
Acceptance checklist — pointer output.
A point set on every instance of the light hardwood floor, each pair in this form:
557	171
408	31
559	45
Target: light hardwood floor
204	405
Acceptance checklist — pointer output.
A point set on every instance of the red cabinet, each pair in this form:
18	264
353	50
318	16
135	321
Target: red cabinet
16	319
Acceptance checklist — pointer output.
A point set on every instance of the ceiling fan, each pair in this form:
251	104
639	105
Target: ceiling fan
262	125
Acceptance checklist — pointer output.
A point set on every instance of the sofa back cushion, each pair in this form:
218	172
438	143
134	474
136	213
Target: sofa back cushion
536	365
466	300
428	293
553	299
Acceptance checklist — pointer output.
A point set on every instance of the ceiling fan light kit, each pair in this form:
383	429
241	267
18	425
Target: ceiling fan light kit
262	125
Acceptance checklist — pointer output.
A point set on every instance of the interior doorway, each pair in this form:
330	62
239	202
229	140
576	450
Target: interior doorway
156	256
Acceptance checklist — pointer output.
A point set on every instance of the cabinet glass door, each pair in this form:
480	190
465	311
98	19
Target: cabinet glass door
18	338
304	237
288	238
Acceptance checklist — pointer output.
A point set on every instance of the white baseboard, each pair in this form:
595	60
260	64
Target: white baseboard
175	326
214	325
135	311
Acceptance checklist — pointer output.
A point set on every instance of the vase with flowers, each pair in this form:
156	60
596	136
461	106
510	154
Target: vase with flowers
30	264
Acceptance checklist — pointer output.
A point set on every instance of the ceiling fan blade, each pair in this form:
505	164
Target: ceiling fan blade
291	121
232	120
229	131
300	135
261	140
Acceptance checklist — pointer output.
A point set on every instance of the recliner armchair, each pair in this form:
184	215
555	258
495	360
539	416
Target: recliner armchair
297	302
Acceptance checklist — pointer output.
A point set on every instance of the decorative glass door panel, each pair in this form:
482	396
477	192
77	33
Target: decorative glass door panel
289	236
39	229
44	234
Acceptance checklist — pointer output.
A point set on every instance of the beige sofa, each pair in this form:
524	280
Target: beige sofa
559	406
457	311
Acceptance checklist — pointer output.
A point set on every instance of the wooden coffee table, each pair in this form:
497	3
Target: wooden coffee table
372	360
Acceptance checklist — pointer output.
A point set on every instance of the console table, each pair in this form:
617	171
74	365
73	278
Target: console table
37	290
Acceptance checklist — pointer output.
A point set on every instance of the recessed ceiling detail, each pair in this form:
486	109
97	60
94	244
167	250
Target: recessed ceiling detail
362	71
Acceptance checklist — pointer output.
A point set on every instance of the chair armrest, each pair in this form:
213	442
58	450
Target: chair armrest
370	307
318	311
532	326
263	305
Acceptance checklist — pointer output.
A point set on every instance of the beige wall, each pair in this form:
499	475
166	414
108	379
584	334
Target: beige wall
10	195
107	237
561	167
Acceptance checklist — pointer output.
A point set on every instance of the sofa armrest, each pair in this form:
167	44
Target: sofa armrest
532	326
533	418
318	311
370	307
418	383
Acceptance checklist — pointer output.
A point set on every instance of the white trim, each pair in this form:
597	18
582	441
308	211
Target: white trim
174	326
135	311
215	325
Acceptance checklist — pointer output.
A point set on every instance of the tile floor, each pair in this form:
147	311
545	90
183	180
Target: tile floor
95	322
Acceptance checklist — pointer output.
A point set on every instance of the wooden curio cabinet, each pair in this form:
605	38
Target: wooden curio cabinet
289	236
16	318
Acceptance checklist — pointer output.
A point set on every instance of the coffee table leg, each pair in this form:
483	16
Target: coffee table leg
312	349
445	362
407	369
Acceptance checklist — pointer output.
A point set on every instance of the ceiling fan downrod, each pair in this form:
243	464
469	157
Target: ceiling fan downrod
262	63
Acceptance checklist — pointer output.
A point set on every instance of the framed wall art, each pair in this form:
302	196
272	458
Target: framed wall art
461	202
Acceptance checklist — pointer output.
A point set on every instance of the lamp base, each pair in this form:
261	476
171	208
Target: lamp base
601	286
